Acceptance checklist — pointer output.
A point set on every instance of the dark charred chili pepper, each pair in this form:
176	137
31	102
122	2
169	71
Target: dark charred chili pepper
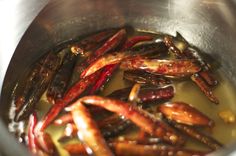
61	79
36	84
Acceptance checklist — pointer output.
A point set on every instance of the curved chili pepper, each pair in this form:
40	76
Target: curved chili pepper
107	126
141	118
74	92
88	131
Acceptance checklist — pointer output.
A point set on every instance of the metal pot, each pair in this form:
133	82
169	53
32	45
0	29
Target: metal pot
208	24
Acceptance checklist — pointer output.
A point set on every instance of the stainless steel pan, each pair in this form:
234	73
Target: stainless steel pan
208	24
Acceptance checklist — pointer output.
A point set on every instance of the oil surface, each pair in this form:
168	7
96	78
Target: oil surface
186	91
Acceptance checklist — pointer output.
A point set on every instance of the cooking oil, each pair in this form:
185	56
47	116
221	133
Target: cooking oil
185	91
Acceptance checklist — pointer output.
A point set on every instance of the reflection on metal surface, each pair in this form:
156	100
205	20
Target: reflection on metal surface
224	10
16	16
